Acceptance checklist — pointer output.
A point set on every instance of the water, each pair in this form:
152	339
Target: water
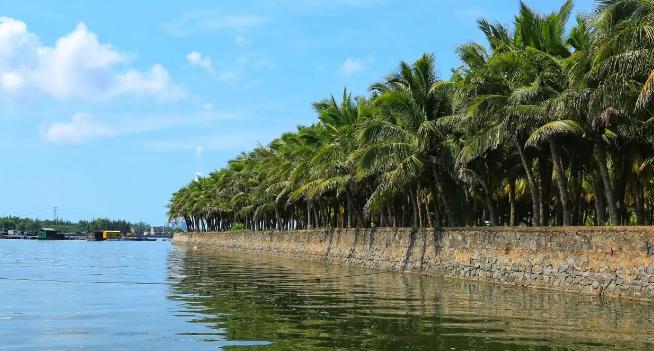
73	295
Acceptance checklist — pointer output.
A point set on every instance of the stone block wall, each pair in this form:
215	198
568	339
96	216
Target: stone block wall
607	261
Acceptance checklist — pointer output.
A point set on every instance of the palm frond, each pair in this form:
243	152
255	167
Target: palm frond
554	129
646	93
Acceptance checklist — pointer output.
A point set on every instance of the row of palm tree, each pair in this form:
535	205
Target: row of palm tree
550	122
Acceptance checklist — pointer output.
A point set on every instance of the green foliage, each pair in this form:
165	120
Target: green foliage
29	224
236	228
540	125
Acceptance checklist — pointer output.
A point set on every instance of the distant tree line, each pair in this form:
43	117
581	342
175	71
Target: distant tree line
549	122
30	224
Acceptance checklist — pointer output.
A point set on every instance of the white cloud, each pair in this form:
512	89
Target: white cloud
239	69
197	59
80	128
230	75
351	66
155	82
322	5
207	107
210	21
12	81
228	141
83	127
78	66
198	151
240	40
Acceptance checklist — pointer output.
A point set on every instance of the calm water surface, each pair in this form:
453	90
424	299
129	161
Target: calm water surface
72	295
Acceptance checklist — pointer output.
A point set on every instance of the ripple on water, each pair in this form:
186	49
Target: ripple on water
317	306
145	296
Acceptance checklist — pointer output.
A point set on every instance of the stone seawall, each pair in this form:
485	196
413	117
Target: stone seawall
611	261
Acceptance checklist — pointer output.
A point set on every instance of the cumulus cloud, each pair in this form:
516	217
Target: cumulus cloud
351	66
80	128
12	81
197	59
77	66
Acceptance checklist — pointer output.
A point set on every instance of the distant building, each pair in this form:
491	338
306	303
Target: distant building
110	234
100	235
157	231
94	235
50	234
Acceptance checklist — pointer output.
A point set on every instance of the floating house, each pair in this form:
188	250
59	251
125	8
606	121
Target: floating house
110	234
95	235
50	234
100	235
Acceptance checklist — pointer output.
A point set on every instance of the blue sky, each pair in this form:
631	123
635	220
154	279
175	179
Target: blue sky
107	107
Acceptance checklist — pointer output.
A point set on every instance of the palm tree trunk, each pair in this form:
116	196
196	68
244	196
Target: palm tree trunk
353	210
348	210
512	202
577	177
419	205
451	221
600	159
561	182
437	215
189	225
428	214
535	193
393	216
544	186
623	172
490	207
640	202
412	199
278	220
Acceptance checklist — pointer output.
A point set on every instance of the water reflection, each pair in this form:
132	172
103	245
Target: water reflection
296	305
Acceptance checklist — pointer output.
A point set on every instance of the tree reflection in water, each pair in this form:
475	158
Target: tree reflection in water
297	305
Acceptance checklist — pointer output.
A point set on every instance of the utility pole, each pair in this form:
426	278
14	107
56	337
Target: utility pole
55	213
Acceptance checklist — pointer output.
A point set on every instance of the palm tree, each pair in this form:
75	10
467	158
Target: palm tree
335	167
537	103
403	142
